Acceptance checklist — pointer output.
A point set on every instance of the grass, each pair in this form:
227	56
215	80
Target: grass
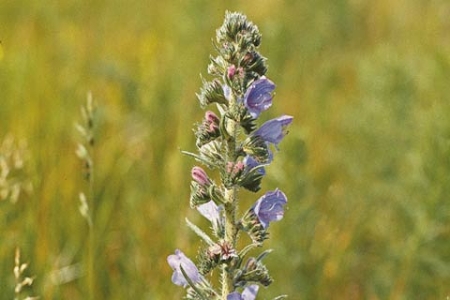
366	166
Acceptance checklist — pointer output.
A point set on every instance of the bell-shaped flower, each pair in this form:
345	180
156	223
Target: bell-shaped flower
258	96
178	261
273	131
213	213
249	293
269	207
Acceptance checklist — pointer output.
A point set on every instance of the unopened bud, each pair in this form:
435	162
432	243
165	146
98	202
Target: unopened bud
231	71
211	117
200	176
211	92
208	130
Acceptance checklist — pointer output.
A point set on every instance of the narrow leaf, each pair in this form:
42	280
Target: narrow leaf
200	232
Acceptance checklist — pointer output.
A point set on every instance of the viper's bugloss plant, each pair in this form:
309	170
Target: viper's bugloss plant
231	142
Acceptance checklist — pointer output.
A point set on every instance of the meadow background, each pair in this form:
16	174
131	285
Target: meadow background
366	165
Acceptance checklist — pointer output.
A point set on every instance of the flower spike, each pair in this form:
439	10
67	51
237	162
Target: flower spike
236	151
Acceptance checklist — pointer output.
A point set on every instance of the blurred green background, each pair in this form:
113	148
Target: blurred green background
366	165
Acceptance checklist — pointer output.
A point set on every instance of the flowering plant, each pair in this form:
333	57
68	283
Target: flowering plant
232	143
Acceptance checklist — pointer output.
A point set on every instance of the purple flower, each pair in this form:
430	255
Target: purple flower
258	96
212	212
269	207
178	260
251	163
273	131
249	293
227	92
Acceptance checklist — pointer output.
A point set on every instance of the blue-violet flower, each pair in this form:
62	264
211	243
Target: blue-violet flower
227	92
249	293
251	163
269	207
273	131
213	213
178	260
258	97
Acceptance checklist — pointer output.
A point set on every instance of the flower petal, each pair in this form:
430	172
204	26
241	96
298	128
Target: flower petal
273	131
234	296
210	211
258	97
269	207
179	259
249	293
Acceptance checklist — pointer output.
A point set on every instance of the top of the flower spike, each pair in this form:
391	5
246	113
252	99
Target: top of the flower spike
236	27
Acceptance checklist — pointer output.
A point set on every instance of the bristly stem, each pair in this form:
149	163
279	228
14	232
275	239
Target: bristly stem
230	200
230	238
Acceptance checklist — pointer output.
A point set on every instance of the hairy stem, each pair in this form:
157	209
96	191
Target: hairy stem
230	201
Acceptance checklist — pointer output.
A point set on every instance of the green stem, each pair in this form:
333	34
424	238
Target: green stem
230	237
230	216
230	202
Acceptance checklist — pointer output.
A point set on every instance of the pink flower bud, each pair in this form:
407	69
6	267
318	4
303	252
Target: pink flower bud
231	71
200	176
211	117
213	128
